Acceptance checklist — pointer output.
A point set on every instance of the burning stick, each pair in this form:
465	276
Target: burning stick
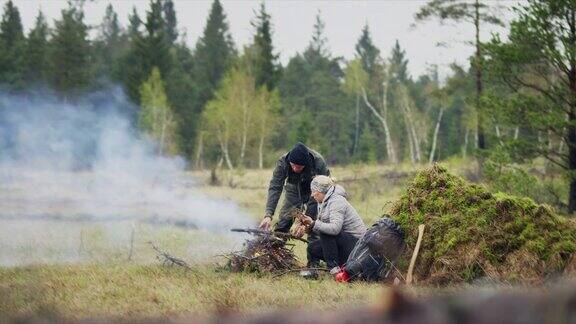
415	254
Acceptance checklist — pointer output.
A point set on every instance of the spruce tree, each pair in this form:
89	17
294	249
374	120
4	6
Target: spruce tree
134	24
367	51
214	54
110	44
170	19
148	50
70	60
318	43
265	61
399	64
154	46
12	48
37	51
315	79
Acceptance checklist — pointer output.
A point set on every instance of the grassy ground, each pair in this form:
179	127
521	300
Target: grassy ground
115	287
118	290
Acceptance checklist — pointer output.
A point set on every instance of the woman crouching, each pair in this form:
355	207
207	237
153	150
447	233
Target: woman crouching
338	224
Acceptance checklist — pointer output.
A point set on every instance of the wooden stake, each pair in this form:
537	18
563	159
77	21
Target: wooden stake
415	254
131	244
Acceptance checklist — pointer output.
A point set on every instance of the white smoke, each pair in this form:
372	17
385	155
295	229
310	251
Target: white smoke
85	161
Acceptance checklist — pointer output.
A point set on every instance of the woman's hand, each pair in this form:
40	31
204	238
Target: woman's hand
307	220
299	231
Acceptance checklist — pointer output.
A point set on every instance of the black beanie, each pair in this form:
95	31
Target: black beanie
299	154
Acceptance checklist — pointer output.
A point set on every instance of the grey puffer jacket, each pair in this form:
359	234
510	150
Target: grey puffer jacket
335	215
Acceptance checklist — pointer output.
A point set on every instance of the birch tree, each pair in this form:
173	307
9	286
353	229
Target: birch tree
156	117
355	82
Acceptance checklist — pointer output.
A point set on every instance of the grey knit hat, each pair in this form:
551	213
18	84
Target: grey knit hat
321	183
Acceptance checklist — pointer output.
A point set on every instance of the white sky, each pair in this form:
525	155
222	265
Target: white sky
293	21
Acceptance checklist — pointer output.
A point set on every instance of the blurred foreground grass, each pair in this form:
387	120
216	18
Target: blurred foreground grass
128	290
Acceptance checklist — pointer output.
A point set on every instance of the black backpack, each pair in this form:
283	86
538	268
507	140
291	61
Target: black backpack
376	252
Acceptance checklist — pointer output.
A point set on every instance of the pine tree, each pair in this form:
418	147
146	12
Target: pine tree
71	64
265	61
37	51
213	55
170	19
12	48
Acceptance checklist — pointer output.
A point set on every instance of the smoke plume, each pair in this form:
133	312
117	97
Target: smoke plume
85	161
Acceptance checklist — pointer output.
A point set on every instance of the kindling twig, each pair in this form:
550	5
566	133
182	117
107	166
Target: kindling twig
168	259
259	232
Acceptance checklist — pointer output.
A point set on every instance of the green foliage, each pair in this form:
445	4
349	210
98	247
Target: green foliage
149	49
71	68
501	173
321	104
214	54
534	68
37	52
367	149
459	11
170	18
12	47
156	117
239	117
265	63
399	64
368	53
472	233
355	77
182	94
109	46
134	24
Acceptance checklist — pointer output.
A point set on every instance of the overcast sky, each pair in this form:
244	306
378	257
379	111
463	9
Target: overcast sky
293	21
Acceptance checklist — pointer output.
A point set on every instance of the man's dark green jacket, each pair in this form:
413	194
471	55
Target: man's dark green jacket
299	183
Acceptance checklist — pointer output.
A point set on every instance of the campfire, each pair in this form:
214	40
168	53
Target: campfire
265	252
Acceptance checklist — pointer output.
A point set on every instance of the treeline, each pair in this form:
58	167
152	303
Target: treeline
217	103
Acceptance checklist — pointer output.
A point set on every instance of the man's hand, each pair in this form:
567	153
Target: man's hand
266	223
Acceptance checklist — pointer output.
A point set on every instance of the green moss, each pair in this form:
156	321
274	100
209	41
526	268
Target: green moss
502	232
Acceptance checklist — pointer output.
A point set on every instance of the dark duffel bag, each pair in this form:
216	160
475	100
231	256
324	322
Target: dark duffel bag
376	252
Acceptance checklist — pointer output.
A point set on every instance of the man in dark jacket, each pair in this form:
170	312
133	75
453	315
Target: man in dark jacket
294	172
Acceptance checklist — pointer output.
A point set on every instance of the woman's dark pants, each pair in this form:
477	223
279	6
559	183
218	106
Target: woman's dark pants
333	249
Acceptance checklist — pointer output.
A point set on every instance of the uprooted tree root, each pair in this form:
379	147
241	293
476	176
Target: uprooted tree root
263	254
473	234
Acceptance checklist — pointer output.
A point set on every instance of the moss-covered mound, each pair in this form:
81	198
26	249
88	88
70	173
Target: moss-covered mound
471	233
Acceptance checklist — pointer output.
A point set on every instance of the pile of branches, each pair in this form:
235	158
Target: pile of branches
266	252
